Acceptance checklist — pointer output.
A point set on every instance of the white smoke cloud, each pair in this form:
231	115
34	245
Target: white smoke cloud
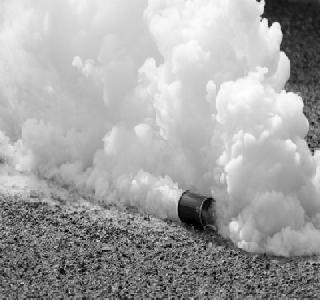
136	101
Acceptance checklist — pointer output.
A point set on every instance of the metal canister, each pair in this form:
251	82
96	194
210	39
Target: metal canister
196	210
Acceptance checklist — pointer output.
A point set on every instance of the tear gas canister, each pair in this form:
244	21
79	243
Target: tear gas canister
196	210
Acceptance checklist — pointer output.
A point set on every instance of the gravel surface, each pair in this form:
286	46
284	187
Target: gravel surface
62	245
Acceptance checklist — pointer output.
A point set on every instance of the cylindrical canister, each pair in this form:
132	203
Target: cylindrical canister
195	209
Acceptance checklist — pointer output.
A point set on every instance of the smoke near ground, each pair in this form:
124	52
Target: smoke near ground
136	101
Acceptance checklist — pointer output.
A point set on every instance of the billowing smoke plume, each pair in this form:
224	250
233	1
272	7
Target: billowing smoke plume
139	100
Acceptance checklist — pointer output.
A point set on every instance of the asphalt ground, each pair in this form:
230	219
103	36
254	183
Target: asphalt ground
63	245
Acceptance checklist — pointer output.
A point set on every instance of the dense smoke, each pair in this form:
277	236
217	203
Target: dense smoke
136	101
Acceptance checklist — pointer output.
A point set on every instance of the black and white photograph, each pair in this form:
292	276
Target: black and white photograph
159	149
